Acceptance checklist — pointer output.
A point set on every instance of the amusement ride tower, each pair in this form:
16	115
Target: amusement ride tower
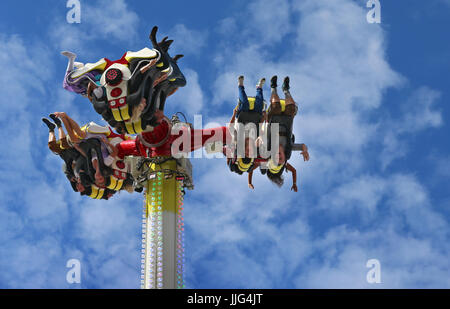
165	179
162	250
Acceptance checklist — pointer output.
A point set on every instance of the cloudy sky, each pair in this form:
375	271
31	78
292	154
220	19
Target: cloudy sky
373	110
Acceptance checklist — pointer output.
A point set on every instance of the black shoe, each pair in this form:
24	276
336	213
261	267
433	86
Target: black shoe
56	120
51	126
286	84
241	81
177	57
273	82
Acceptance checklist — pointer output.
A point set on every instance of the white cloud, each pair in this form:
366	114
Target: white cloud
360	195
418	114
188	99
44	224
227	25
269	21
187	41
105	20
339	75
112	19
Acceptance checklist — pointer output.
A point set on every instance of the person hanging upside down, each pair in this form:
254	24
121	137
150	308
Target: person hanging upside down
274	170
92	142
247	111
56	146
91	130
62	149
82	84
85	181
244	105
277	106
281	112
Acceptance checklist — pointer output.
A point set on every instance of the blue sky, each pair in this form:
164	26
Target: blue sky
373	111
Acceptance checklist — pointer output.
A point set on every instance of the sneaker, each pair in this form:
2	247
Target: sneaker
261	83
51	126
286	84
177	57
241	80
69	54
273	82
55	120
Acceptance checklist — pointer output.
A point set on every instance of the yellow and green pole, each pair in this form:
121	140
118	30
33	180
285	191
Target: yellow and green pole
163	229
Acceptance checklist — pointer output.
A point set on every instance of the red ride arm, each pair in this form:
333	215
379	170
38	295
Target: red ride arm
198	139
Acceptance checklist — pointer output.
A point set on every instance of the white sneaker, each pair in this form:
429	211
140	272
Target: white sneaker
69	54
261	83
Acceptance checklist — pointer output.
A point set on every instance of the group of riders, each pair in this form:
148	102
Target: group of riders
263	118
130	94
90	155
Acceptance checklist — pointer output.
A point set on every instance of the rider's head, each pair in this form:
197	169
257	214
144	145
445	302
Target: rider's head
276	178
100	180
275	170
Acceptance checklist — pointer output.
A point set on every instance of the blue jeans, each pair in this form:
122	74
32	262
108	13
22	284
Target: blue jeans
244	105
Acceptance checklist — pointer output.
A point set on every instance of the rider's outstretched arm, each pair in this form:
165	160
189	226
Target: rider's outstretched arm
292	169
305	152
250	175
233	118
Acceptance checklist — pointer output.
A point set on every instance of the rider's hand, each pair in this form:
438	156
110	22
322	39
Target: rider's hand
305	155
142	105
259	141
251	186
294	187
